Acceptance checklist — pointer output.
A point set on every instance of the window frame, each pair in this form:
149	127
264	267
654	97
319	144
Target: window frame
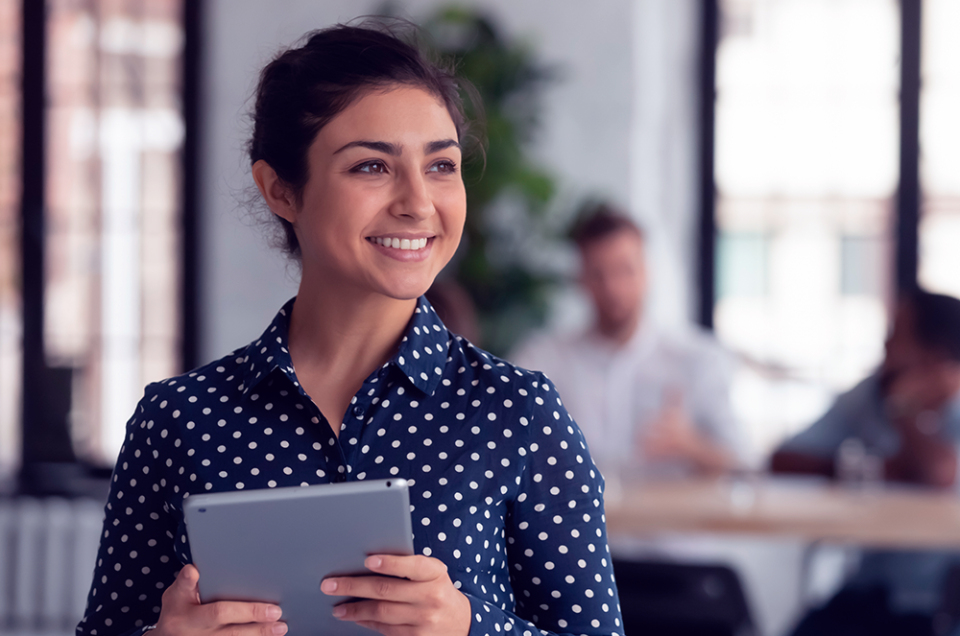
45	395
908	197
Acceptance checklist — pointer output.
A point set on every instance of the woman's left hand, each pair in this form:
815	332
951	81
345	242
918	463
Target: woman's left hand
421	602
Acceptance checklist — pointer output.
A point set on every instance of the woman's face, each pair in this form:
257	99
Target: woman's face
384	204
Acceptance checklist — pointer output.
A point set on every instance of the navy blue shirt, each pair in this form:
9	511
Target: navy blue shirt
502	487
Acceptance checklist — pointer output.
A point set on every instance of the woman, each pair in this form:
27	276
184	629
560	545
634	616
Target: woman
357	150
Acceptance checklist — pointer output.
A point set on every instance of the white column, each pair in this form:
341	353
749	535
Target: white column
664	142
121	142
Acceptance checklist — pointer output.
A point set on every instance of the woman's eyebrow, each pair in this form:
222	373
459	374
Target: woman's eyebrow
395	150
437	146
380	146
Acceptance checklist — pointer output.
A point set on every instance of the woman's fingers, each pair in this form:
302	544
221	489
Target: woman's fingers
415	568
373	587
390	630
251	629
406	595
185	588
402	580
386	612
236	613
451	617
182	613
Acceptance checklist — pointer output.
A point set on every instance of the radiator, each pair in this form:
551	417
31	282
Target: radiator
48	548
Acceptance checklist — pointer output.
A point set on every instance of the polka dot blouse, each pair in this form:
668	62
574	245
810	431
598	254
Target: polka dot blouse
502	487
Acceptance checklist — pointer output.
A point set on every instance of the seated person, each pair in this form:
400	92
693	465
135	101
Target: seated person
647	401
908	415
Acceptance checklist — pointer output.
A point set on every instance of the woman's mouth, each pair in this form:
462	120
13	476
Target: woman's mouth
399	243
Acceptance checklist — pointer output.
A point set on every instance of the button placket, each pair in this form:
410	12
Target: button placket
361	411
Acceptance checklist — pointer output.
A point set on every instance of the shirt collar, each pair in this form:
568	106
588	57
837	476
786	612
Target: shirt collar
641	342
420	358
268	352
423	349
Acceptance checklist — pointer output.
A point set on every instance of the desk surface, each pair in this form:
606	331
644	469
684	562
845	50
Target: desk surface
887	517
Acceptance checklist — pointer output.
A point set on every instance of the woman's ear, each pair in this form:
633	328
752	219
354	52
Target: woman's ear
275	192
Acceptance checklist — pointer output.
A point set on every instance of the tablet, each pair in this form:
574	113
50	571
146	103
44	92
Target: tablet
277	545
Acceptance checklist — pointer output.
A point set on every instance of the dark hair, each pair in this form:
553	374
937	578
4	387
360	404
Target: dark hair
598	221
936	322
305	87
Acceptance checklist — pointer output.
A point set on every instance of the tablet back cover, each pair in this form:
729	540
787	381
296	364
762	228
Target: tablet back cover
277	545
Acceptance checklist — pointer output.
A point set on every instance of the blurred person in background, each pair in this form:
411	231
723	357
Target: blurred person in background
901	424
649	401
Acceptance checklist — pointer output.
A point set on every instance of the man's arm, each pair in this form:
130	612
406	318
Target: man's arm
812	450
923	459
673	435
917	400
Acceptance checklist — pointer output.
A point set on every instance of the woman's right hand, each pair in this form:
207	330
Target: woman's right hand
182	613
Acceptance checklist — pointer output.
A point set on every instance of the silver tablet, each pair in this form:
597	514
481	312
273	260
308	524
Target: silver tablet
277	545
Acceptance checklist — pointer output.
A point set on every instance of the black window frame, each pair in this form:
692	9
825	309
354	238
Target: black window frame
45	392
908	198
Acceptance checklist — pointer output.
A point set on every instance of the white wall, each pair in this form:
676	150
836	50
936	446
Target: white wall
620	124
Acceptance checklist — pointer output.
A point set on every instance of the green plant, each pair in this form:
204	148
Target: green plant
507	196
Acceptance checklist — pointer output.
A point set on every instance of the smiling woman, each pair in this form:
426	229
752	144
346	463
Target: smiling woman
356	150
386	168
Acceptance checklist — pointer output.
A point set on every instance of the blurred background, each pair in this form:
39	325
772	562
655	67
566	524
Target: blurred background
793	162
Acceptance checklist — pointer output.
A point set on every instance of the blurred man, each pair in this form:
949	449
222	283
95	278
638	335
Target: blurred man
907	416
643	397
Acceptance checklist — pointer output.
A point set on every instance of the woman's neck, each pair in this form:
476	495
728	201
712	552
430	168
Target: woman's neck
336	342
327	330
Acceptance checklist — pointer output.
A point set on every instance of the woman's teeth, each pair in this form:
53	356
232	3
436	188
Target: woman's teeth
401	244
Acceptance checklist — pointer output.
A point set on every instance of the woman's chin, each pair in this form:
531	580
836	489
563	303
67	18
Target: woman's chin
407	290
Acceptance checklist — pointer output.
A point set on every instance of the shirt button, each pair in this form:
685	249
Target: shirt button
357	411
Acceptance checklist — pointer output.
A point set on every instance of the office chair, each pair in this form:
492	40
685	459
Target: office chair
677	599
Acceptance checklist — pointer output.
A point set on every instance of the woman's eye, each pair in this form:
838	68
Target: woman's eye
445	167
372	167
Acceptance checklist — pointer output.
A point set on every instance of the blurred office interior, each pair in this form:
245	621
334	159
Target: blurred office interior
794	164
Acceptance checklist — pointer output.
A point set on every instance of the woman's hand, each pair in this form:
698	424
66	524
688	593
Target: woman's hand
422	602
182	613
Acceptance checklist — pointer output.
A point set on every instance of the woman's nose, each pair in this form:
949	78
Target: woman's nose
414	198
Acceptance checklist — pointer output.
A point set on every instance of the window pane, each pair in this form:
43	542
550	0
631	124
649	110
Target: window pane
806	167
115	132
10	317
940	148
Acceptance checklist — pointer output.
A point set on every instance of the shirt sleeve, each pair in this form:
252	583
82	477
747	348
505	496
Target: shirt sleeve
823	437
136	561
560	566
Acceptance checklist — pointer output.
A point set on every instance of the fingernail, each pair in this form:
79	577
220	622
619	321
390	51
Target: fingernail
374	562
328	586
273	613
279	629
339	611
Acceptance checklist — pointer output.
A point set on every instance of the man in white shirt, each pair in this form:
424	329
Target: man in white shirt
649	402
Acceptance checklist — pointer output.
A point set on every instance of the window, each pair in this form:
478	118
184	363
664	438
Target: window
10	316
940	148
97	310
114	134
806	173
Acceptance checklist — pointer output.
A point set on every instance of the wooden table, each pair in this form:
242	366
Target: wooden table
816	511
